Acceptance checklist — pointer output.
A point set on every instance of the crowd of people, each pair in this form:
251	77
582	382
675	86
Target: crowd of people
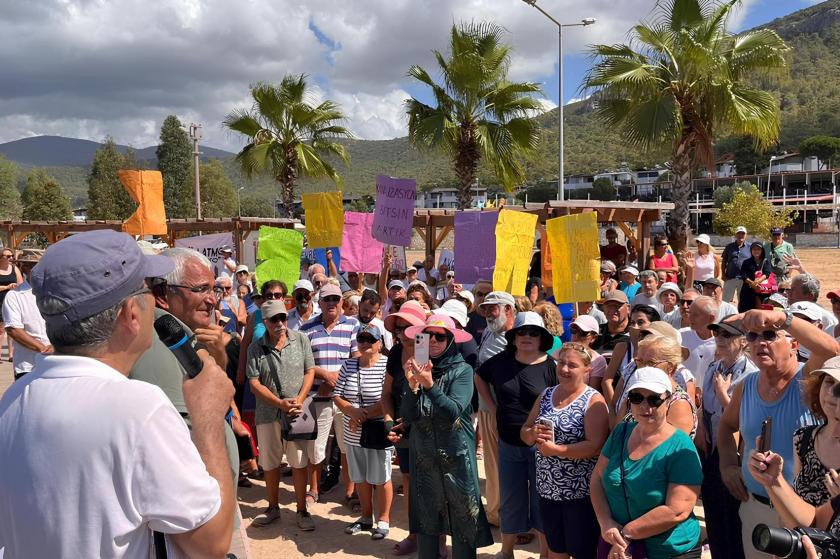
600	425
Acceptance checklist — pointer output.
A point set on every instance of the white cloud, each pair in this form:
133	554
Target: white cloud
375	117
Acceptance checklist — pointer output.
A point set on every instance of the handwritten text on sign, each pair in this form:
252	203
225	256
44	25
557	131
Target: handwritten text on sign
393	219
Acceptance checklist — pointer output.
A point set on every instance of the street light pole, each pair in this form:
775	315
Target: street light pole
195	135
239	200
561	189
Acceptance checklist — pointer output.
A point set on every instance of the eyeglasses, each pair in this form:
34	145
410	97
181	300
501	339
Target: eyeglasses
654	400
720	333
223	288
530	331
7	255
242	272
303	296
366	339
648	362
575	330
331	299
686	302
277	318
768	336
202	289
437	336
274	295
784	290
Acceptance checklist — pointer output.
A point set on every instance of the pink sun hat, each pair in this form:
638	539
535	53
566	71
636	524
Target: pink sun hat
440	321
410	311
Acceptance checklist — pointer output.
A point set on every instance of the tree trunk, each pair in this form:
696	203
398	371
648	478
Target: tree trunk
466	164
678	223
287	183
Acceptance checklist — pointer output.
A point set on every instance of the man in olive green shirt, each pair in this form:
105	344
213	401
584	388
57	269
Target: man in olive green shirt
281	369
777	250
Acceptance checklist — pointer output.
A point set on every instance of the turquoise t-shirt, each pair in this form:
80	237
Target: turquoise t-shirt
630	290
646	483
558	343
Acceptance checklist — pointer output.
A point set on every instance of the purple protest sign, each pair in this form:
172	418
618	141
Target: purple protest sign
393	221
475	245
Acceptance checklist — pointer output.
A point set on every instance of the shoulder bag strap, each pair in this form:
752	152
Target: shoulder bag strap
359	381
271	370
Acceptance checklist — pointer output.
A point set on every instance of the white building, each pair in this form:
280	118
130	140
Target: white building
447	197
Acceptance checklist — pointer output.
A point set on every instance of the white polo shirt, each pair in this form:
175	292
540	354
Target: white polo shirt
20	311
92	462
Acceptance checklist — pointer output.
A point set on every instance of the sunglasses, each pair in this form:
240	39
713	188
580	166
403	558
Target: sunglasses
9	256
686	302
273	296
366	339
767	336
277	318
303	296
654	400
437	336
331	299
578	332
530	331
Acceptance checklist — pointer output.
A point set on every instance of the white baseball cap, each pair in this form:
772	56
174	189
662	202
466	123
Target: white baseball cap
741	229
631	270
303	284
808	310
703	238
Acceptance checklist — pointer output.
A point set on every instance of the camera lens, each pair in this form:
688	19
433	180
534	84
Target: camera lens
775	541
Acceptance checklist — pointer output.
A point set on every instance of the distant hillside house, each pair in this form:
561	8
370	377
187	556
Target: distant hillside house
792	162
447	197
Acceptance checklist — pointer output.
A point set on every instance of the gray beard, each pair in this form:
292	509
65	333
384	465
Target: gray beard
497	325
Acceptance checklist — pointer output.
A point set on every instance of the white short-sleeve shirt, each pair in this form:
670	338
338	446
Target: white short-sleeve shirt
92	462
20	311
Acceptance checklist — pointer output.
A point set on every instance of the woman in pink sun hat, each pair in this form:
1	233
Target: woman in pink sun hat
444	482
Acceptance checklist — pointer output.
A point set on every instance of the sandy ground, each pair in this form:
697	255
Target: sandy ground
284	539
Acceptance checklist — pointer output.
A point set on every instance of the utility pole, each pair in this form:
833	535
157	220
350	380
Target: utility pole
195	135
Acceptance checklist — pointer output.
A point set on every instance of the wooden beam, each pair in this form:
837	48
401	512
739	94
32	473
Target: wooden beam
444	232
645	238
628	233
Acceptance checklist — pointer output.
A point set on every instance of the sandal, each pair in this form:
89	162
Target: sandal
379	533
312	498
358	526
524	539
405	547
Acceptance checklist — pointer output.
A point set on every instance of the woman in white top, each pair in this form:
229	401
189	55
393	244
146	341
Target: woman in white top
703	265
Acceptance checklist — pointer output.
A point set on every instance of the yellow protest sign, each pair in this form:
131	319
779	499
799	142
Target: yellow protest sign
145	188
575	257
324	219
514	241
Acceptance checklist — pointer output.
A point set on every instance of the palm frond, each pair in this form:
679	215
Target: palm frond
240	120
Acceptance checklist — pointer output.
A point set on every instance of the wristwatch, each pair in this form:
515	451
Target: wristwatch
625	536
788	319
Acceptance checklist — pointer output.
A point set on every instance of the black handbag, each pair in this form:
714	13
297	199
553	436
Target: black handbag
374	433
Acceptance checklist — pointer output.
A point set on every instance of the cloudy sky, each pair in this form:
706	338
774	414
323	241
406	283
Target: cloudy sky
87	68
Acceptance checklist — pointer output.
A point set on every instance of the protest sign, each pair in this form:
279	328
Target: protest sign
209	246
475	245
360	252
145	188
398	262
447	257
280	250
575	257
324	219
394	214
514	241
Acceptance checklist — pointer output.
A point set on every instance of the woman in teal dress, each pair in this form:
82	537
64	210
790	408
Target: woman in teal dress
445	497
647	480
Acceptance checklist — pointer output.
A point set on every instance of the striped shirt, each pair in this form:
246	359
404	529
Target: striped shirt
347	387
332	348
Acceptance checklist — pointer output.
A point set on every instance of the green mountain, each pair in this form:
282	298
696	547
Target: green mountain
808	97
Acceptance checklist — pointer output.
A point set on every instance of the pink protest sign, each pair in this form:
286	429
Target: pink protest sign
359	251
394	216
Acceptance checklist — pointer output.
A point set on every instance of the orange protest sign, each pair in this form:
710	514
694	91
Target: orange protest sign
146	188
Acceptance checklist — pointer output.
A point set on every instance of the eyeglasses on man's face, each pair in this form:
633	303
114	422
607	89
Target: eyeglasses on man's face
203	289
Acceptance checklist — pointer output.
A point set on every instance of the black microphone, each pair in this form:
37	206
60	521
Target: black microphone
173	336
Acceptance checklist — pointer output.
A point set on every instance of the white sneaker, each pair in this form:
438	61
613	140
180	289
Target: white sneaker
270	515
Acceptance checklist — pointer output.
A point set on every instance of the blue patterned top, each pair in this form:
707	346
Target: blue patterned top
564	479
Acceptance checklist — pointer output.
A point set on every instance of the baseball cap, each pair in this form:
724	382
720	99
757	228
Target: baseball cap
226	248
703	238
370	330
713	281
329	289
499	298
456	309
411	269
242	268
776	231
631	270
808	310
272	308
777	300
304	284
615	295
608	266
729	325
830	367
587	323
396	284
650	378
91	272
741	229
466	294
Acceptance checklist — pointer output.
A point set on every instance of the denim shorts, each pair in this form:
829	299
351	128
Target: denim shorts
519	504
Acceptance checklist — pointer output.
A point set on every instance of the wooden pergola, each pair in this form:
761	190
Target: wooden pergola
54	231
435	225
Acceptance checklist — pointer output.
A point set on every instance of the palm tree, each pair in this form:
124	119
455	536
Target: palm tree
684	80
478	113
289	136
